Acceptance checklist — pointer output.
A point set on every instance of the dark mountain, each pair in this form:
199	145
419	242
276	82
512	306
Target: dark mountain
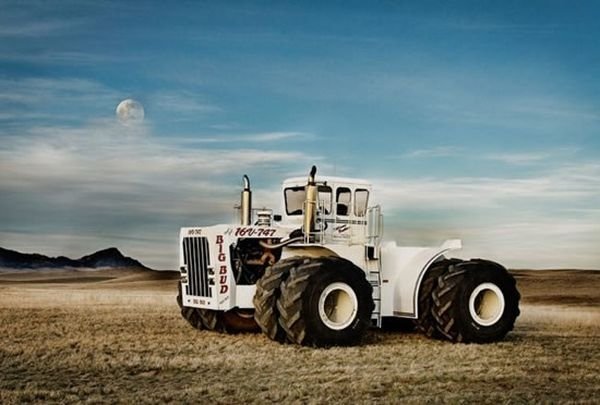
110	257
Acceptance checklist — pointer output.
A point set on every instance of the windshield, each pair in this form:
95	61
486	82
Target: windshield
295	196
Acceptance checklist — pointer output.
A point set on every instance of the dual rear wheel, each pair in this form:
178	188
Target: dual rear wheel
324	301
468	301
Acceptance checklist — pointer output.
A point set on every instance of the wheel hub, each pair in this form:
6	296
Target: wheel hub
486	304
338	306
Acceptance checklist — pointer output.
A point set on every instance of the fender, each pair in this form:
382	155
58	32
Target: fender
352	253
402	271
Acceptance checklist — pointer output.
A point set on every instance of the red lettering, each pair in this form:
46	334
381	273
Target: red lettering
254	232
222	269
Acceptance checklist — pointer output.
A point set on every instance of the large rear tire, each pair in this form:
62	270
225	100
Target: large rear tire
426	322
325	301
268	290
475	301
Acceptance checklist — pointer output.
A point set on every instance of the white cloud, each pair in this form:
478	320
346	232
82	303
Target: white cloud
46	92
54	57
266	137
545	221
106	178
106	184
106	151
276	136
510	158
540	243
555	109
553	155
34	28
519	158
560	185
183	104
438	151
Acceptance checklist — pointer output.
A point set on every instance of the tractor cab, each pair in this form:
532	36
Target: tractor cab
342	211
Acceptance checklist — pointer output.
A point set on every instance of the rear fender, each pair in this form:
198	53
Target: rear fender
402	272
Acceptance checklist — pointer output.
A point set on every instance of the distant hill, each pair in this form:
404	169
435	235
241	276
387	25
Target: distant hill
110	257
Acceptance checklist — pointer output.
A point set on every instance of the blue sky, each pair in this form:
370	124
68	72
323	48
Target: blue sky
478	120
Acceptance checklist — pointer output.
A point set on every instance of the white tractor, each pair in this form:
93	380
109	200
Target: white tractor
319	274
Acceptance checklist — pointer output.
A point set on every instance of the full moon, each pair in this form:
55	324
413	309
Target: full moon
130	111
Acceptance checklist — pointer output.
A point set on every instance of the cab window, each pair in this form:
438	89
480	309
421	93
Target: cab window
343	196
294	200
325	199
361	200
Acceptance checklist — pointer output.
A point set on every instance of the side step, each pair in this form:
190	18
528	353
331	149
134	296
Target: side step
373	278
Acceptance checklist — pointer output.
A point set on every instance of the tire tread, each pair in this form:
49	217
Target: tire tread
446	298
265	298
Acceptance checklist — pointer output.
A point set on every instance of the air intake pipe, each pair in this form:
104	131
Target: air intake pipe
246	203
310	205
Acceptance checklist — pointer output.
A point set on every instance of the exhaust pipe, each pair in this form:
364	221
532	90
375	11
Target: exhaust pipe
246	203
310	205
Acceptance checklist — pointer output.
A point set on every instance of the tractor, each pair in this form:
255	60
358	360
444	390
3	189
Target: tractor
319	273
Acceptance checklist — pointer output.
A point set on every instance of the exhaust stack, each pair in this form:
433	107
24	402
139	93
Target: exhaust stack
310	205
246	203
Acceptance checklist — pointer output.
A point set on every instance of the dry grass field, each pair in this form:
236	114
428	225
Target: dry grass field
117	336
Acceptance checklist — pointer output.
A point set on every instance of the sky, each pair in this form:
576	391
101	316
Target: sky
474	120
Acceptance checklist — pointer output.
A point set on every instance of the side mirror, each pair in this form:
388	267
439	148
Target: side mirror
277	218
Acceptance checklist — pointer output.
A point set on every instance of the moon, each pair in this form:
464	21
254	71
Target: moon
130	111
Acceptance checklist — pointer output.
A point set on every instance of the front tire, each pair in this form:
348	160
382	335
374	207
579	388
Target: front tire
475	301
233	321
325	301
191	315
212	320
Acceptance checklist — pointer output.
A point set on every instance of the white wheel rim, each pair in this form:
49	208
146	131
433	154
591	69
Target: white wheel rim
486	304
338	306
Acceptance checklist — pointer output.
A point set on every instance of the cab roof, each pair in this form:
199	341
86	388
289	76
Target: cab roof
299	181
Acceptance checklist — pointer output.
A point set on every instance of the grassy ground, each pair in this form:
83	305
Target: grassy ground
121	339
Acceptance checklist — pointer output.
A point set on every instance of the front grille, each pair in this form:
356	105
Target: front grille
196	259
